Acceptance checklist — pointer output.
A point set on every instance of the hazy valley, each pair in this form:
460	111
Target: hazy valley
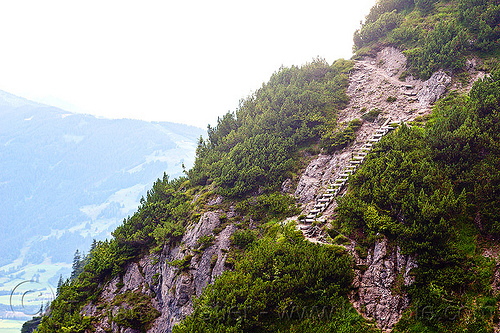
67	179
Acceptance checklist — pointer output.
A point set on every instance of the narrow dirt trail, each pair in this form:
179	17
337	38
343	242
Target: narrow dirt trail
381	72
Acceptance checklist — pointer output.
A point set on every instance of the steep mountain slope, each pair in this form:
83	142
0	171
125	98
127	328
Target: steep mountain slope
410	245
373	85
68	178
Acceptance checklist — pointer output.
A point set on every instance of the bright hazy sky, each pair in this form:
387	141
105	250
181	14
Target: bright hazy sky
180	61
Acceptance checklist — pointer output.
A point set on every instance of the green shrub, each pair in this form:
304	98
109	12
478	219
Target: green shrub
272	282
268	206
252	150
341	240
333	141
205	242
443	47
372	115
136	311
182	264
372	31
361	251
30	325
155	279
242	238
213	261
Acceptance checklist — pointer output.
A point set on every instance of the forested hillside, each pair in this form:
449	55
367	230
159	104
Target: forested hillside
428	191
254	148
246	156
433	34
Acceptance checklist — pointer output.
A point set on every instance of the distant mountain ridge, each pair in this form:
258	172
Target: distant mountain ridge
67	178
7	99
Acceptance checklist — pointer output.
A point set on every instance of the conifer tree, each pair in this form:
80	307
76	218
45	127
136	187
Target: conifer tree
76	264
93	246
59	284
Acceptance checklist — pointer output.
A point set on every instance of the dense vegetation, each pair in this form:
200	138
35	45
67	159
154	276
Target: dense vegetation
282	283
434	34
254	148
435	192
31	325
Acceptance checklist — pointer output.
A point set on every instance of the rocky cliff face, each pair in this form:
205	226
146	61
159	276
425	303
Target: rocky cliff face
169	288
434	88
379	281
381	271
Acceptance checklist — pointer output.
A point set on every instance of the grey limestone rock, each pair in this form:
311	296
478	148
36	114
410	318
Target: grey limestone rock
316	175
172	291
392	61
434	88
377	290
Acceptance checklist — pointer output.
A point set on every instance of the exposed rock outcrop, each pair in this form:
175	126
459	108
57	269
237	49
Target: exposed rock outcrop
316	175
392	61
379	281
378	83
171	291
433	88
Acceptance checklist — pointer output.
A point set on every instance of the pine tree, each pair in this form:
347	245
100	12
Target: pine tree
59	285
93	246
76	265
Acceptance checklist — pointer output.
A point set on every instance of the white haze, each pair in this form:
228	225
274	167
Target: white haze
180	61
